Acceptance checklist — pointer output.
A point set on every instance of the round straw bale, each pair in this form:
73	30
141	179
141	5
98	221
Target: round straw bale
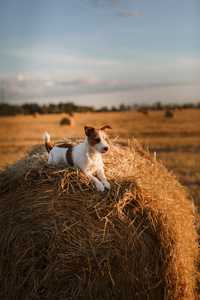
67	121
36	114
145	111
61	239
169	114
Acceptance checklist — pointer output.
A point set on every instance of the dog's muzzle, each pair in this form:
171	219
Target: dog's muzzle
105	149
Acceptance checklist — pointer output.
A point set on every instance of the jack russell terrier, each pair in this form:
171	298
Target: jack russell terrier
86	156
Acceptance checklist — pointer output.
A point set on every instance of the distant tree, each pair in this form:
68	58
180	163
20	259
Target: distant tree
31	108
189	105
114	108
122	107
103	109
10	110
69	107
158	106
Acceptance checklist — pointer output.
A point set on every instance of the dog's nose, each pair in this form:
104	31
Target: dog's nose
105	149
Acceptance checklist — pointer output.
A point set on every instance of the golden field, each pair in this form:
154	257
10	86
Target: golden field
176	141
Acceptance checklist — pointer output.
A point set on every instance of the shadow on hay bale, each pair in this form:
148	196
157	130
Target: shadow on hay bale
60	239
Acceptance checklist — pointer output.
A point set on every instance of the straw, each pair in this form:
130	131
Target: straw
61	239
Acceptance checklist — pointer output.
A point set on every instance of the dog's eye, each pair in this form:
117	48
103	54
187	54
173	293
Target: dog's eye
97	140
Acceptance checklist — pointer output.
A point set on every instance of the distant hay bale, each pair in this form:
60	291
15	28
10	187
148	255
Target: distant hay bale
68	121
169	113
61	239
36	114
145	110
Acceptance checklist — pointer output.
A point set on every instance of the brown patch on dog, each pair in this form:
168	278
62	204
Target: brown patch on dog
68	153
89	130
93	134
94	138
69	156
48	146
65	145
104	128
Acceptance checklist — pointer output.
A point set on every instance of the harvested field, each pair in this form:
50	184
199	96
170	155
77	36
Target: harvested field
63	240
175	140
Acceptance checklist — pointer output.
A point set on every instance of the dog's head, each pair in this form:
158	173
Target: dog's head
97	138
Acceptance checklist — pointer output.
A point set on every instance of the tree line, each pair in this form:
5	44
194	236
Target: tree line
32	108
70	107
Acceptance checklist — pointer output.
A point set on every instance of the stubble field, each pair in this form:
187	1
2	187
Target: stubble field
175	141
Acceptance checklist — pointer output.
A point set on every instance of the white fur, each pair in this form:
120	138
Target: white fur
86	158
46	137
57	155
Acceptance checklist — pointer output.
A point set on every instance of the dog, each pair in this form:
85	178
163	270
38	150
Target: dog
86	156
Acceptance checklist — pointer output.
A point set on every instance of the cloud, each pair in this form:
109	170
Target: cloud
91	80
127	14
20	77
120	4
22	89
98	3
59	57
175	16
148	21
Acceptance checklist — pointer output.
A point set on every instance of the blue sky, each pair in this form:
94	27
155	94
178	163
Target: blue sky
100	52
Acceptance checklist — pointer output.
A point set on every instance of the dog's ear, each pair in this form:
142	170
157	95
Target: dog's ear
104	128
88	130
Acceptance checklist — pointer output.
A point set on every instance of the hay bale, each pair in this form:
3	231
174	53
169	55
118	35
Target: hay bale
145	111
169	113
36	114
61	239
68	121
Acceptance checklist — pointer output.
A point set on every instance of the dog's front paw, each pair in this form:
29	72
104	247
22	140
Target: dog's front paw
106	184
99	186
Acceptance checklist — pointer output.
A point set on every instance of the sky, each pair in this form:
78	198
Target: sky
100	52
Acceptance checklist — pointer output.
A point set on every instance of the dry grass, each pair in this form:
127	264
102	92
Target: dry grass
63	240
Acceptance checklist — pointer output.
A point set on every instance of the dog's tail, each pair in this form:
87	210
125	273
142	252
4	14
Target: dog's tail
47	142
